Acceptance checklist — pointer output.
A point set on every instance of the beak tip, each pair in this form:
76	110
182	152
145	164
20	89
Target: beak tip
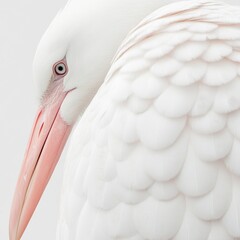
12	230
15	228
41	157
14	234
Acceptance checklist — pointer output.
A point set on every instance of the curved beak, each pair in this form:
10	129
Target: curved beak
47	140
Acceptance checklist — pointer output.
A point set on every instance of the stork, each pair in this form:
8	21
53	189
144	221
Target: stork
154	154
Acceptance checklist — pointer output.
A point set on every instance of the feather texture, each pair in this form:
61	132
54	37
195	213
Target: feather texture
156	154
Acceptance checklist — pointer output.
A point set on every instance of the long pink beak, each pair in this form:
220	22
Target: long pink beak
47	141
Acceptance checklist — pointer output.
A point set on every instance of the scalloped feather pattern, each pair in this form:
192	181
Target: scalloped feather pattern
156	154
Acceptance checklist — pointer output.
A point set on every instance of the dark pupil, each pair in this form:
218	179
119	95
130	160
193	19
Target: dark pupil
60	68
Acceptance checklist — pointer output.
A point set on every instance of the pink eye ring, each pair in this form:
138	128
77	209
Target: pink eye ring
60	68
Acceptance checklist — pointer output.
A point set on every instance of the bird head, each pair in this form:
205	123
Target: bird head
71	62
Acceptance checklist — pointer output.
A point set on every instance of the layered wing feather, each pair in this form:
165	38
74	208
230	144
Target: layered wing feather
156	155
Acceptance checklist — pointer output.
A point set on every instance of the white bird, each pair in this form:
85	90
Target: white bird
156	154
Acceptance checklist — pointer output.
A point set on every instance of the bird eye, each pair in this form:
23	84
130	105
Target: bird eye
60	68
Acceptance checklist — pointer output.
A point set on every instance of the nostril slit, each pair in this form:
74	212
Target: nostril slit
40	130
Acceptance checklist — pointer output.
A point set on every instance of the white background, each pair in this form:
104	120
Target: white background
22	24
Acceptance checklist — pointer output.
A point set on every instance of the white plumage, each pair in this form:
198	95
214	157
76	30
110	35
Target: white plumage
156	154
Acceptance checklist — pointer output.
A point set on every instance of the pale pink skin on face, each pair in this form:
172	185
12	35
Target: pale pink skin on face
47	141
